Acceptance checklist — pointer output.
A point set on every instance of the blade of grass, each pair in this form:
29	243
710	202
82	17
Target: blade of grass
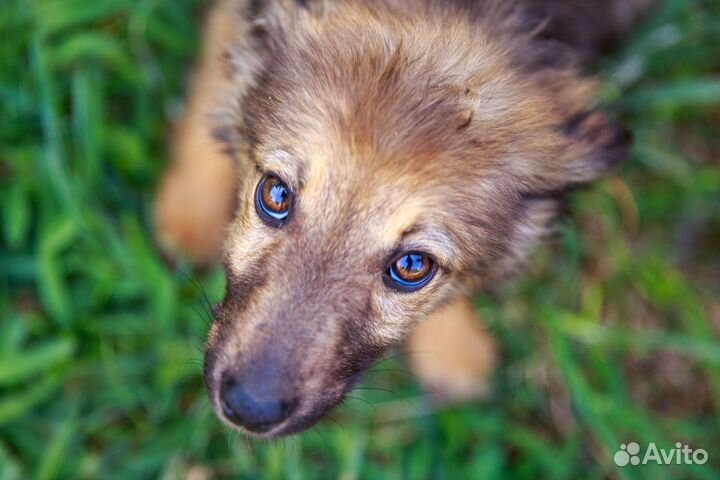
41	358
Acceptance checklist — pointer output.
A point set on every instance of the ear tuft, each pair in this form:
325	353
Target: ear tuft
603	142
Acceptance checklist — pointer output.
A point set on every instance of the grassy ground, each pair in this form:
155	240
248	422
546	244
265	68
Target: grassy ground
614	336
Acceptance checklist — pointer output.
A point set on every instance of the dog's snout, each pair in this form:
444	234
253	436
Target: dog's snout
255	408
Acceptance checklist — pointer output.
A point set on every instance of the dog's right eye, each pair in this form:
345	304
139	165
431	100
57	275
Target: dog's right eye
273	200
410	271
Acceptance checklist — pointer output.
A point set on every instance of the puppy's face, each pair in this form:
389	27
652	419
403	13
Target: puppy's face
326	267
391	167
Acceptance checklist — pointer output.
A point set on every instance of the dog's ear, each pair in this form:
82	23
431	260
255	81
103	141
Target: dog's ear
598	143
586	147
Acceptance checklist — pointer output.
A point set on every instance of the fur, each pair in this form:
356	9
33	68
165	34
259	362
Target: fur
451	127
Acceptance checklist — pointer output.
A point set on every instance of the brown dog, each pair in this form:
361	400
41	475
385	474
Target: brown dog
380	161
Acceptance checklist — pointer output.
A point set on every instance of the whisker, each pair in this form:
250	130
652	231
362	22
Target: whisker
316	430
207	321
352	397
379	389
205	300
404	371
388	358
335	420
204	295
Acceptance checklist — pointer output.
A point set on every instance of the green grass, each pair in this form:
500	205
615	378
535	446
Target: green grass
613	336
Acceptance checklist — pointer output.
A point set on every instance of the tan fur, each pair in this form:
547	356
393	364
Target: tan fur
195	200
452	354
443	127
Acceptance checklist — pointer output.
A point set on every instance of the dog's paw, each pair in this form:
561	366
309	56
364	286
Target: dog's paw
452	354
193	205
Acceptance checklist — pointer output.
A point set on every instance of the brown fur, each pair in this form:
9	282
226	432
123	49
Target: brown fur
452	354
449	127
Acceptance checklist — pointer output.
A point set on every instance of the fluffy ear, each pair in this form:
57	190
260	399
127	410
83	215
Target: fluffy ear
597	144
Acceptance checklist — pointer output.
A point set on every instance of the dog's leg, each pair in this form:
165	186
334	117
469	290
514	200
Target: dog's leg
452	354
195	199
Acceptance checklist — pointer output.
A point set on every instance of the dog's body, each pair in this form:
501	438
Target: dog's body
426	131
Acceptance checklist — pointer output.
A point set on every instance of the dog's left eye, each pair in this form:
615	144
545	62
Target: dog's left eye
411	271
273	200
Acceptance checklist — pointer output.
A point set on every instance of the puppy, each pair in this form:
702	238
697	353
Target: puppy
365	165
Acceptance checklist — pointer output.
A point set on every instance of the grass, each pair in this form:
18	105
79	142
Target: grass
613	336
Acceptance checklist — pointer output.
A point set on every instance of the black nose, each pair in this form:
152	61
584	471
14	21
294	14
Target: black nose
256	409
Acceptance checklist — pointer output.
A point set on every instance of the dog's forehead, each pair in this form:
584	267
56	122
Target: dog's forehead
383	138
390	120
368	200
373	211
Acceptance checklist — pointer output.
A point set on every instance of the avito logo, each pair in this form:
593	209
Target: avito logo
629	454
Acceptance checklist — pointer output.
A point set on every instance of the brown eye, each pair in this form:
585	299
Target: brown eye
272	200
411	271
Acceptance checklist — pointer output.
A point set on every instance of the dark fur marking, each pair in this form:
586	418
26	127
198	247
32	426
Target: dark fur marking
609	140
255	9
238	288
